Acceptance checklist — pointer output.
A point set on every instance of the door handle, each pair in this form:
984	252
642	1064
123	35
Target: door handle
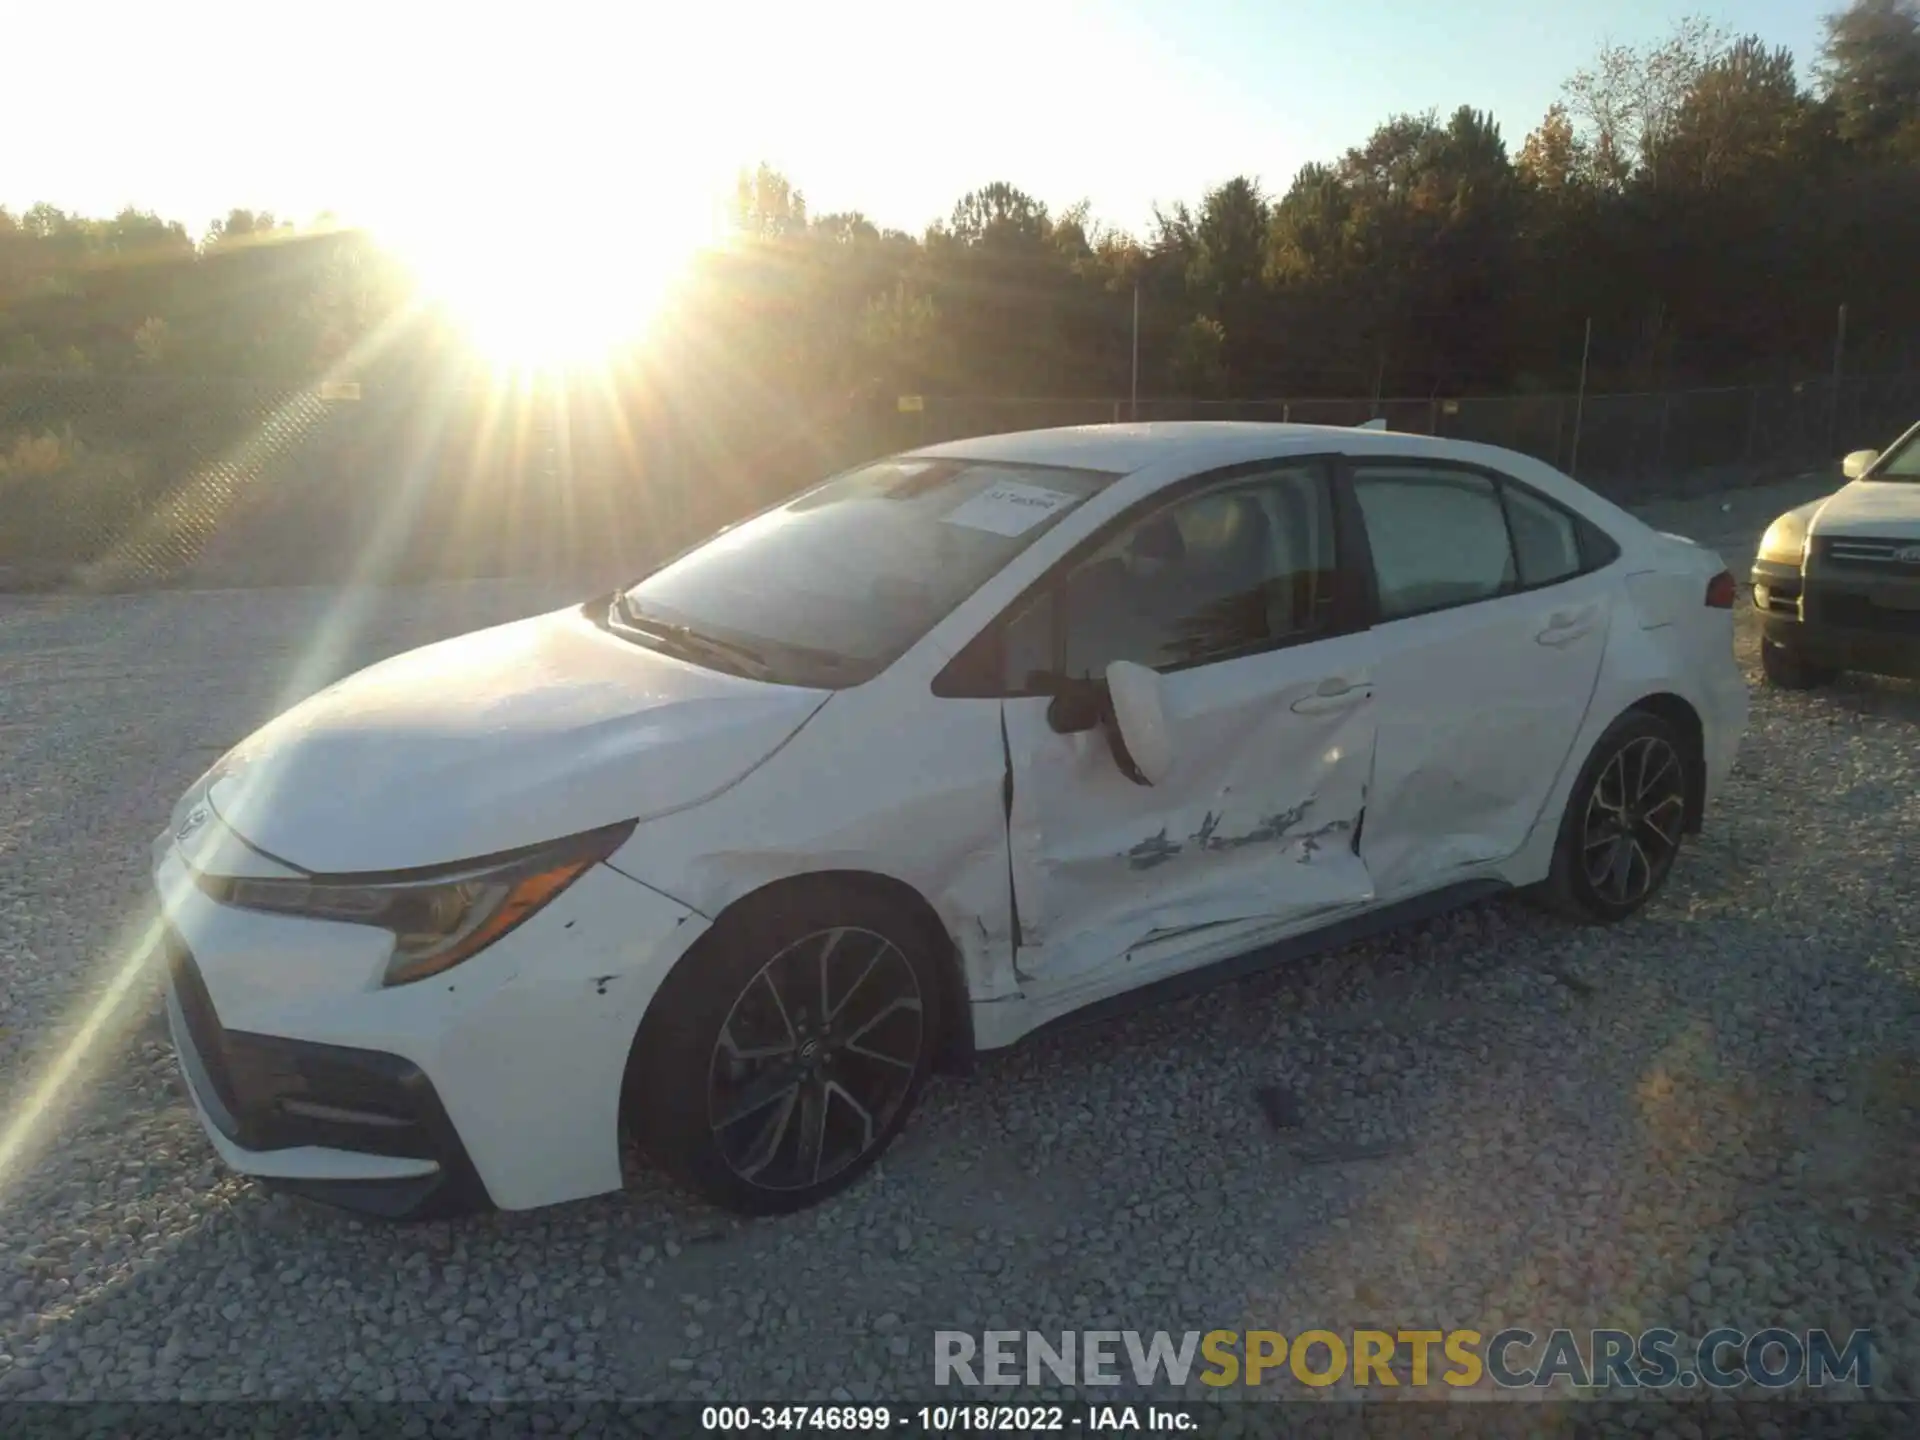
1566	626
1334	693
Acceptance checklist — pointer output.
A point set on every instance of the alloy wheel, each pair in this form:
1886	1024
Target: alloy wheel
815	1058
1634	819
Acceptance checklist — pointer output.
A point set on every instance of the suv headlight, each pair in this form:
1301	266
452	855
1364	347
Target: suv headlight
1785	542
438	917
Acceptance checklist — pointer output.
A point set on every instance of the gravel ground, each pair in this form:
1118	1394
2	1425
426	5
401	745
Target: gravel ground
1709	1115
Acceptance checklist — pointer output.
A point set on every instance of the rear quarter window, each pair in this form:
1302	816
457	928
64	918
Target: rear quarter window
1546	539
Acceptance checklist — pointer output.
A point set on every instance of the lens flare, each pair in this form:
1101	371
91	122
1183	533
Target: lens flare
529	300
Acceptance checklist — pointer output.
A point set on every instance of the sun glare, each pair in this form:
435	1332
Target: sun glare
552	300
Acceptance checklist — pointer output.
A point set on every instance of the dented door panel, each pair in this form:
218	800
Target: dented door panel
1256	821
1479	709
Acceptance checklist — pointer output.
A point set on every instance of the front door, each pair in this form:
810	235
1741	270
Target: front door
1232	591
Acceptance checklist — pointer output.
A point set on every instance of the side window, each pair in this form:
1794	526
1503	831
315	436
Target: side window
1546	539
1439	537
1241	567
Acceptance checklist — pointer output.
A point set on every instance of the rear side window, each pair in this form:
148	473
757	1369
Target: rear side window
1439	537
1546	539
1442	536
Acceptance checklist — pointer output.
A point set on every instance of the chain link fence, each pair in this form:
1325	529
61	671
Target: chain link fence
1630	447
125	482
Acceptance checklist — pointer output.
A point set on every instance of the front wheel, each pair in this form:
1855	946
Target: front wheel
1786	670
784	1053
1623	823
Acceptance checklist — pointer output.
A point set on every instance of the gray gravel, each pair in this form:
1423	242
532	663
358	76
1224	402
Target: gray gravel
1705	1116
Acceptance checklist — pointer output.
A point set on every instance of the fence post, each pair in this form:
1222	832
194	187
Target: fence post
1580	404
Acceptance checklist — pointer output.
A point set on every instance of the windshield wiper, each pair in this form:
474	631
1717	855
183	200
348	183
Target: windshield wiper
691	644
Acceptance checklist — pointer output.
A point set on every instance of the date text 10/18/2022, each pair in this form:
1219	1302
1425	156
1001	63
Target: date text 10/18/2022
946	1419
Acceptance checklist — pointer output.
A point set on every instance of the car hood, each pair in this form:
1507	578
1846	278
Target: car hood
506	737
1885	509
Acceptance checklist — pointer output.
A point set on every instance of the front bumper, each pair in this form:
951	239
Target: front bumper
1835	617
313	1118
495	1083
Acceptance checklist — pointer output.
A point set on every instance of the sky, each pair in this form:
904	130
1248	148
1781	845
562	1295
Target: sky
637	115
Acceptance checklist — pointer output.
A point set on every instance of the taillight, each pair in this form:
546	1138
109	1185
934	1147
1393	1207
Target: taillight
1721	591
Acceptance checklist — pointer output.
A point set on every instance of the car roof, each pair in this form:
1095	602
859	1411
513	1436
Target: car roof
1193	445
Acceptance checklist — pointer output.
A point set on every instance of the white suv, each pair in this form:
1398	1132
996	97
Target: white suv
1838	580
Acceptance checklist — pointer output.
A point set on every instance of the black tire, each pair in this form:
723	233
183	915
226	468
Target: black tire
728	1102
1786	670
1623	825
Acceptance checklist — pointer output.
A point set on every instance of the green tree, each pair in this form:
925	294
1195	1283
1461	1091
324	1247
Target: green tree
1743	112
1626	102
767	206
1869	68
1199	364
998	214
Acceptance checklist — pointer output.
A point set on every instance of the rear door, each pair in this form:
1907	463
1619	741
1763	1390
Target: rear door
1233	592
1491	621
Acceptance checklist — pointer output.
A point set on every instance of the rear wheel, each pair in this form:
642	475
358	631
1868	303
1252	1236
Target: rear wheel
1787	670
786	1050
1623	822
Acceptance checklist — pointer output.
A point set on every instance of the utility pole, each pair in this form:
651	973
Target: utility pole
1580	402
1133	403
1839	351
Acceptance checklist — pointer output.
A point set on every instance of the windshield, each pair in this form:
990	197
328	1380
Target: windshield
835	585
1902	462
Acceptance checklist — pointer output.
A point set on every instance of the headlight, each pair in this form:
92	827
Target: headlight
438	917
1785	542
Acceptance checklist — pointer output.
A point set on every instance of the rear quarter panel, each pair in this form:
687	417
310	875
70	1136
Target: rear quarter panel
1664	639
1674	642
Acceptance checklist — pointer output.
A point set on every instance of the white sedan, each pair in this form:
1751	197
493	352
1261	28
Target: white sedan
956	745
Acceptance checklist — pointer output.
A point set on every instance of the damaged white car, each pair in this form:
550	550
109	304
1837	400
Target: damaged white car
953	746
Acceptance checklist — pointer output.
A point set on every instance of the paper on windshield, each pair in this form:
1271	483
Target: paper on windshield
1009	508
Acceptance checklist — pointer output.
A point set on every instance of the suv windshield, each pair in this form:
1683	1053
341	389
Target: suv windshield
1902	462
835	585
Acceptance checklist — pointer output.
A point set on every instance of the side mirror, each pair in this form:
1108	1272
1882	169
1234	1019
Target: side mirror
1142	739
1858	463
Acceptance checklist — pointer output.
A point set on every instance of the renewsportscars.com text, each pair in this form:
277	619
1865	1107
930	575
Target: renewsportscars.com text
1510	1359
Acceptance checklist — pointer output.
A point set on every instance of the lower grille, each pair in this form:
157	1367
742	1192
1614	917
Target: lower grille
331	1096
1857	612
